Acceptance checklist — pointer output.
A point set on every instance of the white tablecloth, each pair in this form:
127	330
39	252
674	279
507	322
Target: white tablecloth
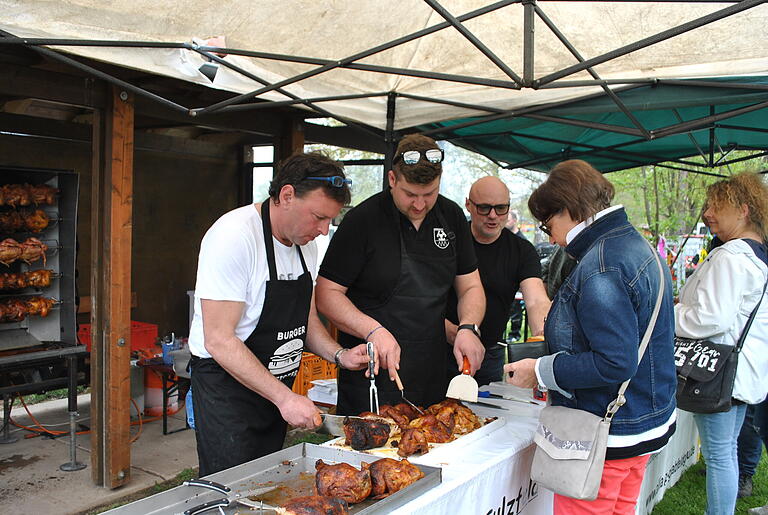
491	475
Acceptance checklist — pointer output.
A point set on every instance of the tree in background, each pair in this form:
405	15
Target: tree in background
669	201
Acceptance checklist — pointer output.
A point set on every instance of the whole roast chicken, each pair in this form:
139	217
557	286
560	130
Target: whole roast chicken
389	476
314	505
343	481
366	434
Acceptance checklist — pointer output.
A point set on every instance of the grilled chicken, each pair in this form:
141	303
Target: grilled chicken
10	251
26	220
33	279
16	310
412	441
343	481
389	476
395	414
33	249
465	421
366	434
434	430
314	505
19	195
35	221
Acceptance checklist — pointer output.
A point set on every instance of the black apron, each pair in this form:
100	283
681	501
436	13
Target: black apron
414	314
235	424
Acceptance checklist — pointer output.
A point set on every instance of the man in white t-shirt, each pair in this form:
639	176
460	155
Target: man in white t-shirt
255	313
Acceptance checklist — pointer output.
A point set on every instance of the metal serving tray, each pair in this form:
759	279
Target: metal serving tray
291	470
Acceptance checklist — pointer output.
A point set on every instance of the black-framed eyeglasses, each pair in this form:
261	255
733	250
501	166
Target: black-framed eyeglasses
485	209
411	157
337	181
544	226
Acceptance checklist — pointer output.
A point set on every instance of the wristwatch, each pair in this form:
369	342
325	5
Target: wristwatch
337	356
471	327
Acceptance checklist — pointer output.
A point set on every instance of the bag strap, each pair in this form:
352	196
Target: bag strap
749	321
620	400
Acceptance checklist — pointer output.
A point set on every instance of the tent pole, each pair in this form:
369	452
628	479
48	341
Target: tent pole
389	138
529	20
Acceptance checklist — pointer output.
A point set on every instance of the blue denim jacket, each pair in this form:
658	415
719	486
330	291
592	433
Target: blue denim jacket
595	325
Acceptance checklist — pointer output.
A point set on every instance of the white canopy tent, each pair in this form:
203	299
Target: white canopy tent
487	62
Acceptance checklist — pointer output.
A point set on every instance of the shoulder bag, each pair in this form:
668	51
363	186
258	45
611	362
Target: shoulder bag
706	371
571	443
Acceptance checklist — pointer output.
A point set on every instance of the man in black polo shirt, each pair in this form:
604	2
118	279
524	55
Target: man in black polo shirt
506	262
385	279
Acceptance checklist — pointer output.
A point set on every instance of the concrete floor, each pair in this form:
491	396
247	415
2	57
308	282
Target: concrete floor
31	481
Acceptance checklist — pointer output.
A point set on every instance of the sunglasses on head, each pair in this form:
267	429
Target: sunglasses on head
337	181
411	157
485	209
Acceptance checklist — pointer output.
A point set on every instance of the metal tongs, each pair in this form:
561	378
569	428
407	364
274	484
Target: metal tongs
373	392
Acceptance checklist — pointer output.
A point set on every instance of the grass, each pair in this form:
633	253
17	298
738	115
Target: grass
688	496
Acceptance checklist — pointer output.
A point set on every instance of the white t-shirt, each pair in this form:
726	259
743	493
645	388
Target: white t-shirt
232	265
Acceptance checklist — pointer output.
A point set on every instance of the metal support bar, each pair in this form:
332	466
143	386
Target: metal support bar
589	125
707	120
520	112
7	438
572	49
453	103
352	58
696	143
711	138
487	52
651	40
529	27
73	464
389	139
314	100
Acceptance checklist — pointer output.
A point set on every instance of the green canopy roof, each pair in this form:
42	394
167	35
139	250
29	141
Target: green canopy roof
674	121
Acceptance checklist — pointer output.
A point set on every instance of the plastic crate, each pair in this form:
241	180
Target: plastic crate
143	335
312	367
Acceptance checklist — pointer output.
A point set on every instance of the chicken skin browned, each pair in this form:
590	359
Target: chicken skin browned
314	505
412	441
19	195
16	310
389	476
395	414
365	434
465	420
10	250
342	480
26	220
434	430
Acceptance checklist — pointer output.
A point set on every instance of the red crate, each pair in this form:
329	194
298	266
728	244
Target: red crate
143	335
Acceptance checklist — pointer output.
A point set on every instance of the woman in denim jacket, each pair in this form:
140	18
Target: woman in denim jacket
715	304
594	328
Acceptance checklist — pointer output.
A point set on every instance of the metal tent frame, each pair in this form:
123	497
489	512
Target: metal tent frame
471	132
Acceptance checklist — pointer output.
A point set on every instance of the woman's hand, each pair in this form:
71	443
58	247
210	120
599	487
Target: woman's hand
521	373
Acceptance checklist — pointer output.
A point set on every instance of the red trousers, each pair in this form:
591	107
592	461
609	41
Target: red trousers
618	493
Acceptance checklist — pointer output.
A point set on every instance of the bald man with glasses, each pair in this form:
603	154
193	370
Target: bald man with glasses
506	263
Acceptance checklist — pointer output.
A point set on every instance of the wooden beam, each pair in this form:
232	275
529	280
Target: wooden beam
290	139
111	290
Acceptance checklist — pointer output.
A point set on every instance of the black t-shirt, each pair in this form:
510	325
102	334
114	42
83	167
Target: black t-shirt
364	253
503	265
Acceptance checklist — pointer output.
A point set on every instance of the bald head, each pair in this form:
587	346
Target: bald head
489	186
485	192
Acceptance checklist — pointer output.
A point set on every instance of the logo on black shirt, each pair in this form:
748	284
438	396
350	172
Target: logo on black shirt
440	237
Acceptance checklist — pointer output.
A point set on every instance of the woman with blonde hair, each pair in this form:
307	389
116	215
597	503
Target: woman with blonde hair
715	304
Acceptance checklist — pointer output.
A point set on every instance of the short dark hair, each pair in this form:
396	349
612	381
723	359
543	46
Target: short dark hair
299	166
573	185
422	172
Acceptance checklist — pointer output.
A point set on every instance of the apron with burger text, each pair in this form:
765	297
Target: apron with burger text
234	424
